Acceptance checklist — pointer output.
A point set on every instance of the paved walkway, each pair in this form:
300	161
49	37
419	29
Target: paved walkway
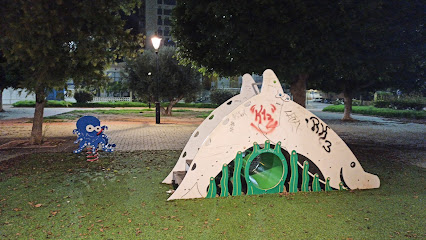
143	134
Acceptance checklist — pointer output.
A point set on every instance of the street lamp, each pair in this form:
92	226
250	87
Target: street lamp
156	43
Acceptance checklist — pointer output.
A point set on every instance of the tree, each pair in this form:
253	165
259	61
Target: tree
9	77
344	43
59	40
235	37
377	45
175	81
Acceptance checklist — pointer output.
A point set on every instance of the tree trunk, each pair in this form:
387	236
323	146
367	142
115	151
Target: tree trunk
1	99
298	89
168	110
347	96
37	130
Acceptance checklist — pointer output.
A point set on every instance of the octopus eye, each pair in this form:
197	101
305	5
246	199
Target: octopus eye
98	128
89	128
352	164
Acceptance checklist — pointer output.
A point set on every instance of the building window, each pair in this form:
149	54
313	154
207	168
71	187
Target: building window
160	32
159	21
167	21
159	1
170	2
166	31
159	11
115	76
167	11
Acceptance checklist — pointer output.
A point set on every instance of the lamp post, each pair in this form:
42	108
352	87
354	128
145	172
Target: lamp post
156	43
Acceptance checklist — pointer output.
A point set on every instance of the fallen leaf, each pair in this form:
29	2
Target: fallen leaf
329	215
17	209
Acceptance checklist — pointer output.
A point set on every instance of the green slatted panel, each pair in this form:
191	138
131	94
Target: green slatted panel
277	151
212	189
305	177
327	185
294	172
224	181
315	184
236	177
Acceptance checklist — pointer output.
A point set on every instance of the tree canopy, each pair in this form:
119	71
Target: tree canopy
357	43
55	41
175	81
10	76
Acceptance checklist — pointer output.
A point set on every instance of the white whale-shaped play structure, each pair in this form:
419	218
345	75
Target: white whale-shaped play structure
255	118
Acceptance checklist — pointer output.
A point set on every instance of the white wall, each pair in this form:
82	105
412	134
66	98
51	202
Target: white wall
11	96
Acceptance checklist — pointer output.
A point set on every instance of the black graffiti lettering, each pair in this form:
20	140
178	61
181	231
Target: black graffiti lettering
327	148
316	122
324	131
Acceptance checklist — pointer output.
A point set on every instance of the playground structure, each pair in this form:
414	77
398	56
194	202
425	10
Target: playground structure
90	134
269	144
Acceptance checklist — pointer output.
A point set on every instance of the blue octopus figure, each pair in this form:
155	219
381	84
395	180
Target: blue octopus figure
90	134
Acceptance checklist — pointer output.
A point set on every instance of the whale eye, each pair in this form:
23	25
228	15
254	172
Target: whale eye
90	128
352	164
98	128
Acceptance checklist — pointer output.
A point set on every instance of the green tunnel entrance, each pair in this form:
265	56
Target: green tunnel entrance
266	171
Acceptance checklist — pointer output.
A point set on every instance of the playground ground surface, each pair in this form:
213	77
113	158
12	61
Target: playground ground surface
61	196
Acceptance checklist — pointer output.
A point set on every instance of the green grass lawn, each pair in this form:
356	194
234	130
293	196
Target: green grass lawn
61	196
383	112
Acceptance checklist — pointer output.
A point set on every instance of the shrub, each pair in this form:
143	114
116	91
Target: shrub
24	103
195	105
50	103
383	112
83	96
220	96
111	104
401	104
359	103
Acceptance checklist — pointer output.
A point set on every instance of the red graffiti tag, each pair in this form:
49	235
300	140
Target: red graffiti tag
263	119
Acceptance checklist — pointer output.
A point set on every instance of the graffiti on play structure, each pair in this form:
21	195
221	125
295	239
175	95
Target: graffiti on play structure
264	122
320	131
231	126
293	120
